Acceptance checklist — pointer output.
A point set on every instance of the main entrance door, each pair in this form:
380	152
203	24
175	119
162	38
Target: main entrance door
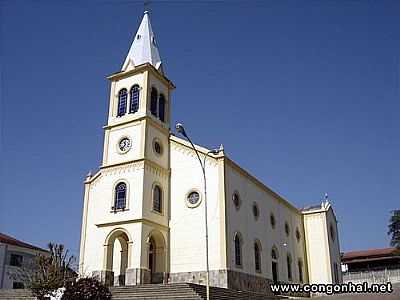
156	257
152	261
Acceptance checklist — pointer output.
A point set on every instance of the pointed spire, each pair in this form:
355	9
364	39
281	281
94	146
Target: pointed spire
144	48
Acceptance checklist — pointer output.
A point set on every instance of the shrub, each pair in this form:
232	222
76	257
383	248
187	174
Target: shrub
86	289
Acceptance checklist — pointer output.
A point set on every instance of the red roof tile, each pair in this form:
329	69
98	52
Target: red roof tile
6	239
369	253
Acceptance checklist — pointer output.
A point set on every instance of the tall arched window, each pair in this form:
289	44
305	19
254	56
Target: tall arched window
238	250
134	106
153	102
274	264
122	102
289	267
120	196
157	199
257	256
161	108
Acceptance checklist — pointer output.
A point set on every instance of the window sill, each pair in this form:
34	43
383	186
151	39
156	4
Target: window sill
156	212
118	210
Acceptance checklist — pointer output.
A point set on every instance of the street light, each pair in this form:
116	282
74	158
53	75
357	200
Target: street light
179	128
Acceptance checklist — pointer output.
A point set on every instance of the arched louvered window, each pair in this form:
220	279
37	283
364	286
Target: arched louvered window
161	108
153	102
157	199
257	256
122	102
238	250
120	196
134	95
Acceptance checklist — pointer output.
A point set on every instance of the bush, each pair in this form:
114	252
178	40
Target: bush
86	289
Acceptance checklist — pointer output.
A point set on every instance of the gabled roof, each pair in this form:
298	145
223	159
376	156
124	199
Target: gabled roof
144	48
9	240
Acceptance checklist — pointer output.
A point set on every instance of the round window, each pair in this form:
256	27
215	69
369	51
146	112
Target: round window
256	211
193	199
236	200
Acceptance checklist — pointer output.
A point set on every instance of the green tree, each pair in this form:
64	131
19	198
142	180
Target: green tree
394	229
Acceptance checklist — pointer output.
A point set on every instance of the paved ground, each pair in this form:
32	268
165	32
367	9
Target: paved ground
392	296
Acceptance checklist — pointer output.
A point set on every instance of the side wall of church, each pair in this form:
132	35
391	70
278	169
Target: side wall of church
242	220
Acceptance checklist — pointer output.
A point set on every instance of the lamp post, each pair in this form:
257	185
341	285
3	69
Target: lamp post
179	128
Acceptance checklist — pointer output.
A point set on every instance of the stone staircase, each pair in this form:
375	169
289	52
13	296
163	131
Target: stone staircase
15	295
180	291
187	291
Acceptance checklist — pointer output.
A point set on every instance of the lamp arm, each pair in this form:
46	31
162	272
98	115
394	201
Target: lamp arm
197	154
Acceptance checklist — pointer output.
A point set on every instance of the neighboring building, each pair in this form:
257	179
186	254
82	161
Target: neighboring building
15	257
374	265
143	216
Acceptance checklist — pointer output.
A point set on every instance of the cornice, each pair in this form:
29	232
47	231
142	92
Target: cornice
133	221
141	69
138	120
137	164
202	150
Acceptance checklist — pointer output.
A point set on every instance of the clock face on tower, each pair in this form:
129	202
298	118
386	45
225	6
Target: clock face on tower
124	144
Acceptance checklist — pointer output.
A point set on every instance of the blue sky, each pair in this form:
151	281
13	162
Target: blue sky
303	94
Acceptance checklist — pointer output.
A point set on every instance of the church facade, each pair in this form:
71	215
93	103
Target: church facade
143	216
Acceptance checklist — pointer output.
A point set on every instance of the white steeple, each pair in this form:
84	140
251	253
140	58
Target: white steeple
144	48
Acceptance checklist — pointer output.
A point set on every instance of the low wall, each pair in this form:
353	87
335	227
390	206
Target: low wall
373	276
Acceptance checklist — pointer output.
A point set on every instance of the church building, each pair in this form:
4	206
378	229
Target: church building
144	209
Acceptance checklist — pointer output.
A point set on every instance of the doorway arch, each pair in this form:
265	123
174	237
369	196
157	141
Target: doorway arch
117	250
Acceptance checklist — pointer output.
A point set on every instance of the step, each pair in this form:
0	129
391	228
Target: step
182	291
17	294
177	291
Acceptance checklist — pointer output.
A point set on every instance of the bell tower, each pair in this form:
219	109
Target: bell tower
139	96
126	203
